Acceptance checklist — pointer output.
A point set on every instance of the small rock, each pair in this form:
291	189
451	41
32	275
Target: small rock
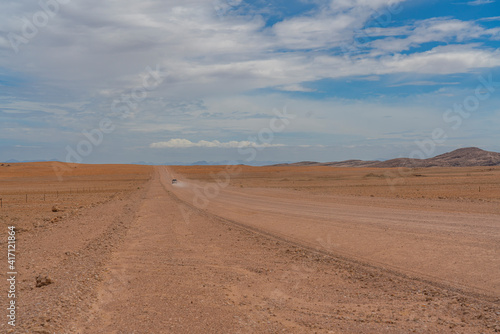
43	281
55	209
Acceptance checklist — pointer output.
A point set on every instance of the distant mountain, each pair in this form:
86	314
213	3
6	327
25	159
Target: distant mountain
208	163
201	163
463	157
231	162
350	163
347	163
14	161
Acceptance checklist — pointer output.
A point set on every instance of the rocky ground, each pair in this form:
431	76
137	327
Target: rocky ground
147	258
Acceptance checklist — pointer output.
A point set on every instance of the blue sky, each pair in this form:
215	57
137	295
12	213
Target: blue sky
168	81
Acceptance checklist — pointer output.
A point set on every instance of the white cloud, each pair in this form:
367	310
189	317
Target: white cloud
424	83
25	107
155	127
304	33
480	2
489	19
184	143
432	30
444	60
331	26
295	88
372	5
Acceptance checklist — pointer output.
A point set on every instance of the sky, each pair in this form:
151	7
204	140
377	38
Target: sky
161	81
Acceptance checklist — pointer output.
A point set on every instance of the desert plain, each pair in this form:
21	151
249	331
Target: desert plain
239	249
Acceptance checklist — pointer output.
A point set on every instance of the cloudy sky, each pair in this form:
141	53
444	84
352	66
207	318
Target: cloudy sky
123	81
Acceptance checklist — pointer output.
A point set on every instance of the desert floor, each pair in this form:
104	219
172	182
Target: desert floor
236	249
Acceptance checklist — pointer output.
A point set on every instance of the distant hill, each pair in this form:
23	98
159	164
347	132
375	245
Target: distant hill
14	161
463	157
347	163
207	163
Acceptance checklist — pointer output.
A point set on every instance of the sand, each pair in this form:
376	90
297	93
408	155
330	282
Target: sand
254	250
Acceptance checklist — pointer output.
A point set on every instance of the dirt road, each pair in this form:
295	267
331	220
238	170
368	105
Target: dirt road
455	248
